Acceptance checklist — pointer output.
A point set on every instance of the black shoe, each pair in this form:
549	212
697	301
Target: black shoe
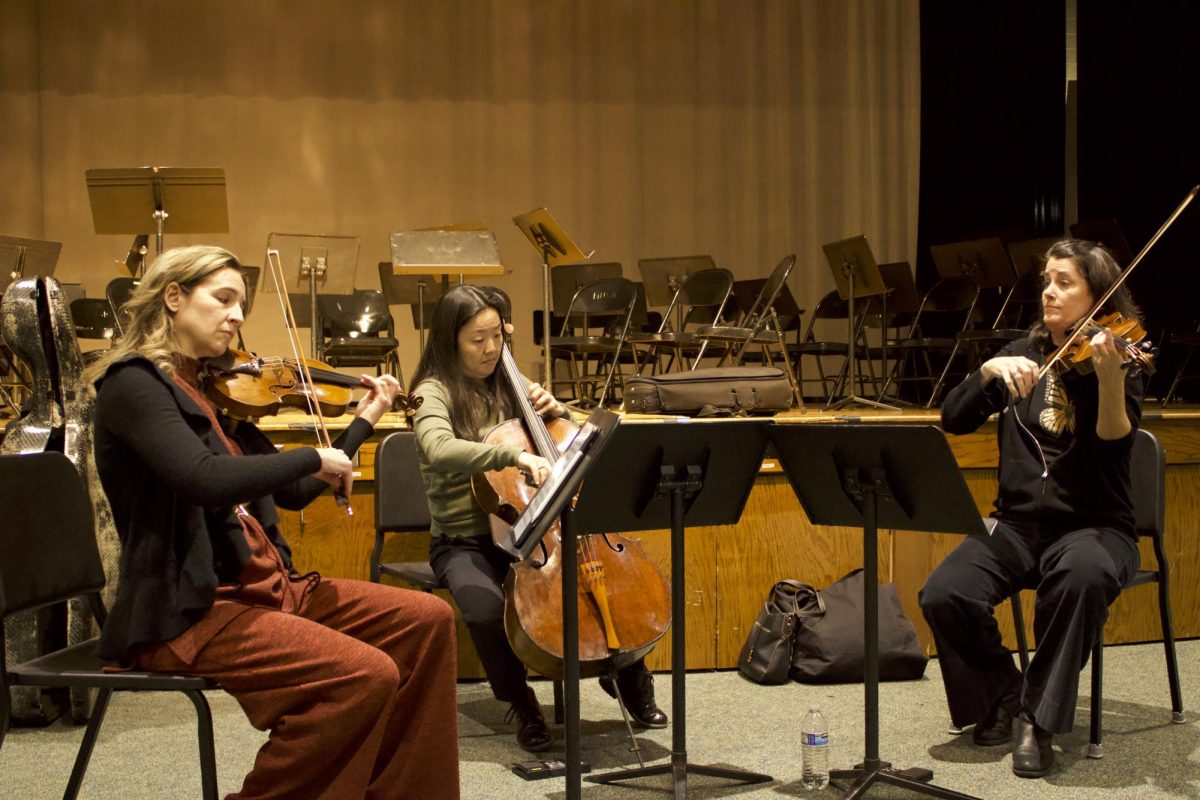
996	727
637	693
1033	755
532	733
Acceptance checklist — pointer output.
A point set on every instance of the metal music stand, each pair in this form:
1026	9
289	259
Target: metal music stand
902	477
857	276
556	248
1027	256
662	278
982	260
650	476
24	258
421	292
133	199
313	263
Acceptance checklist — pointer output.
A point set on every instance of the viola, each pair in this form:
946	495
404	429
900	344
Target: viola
624	603
1127	334
247	386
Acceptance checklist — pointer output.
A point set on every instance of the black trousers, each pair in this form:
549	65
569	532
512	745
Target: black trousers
1077	575
474	569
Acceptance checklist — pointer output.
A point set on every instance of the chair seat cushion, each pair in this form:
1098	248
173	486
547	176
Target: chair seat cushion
419	573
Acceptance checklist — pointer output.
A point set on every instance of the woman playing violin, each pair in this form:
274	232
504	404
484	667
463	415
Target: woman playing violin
463	399
1063	516
362	674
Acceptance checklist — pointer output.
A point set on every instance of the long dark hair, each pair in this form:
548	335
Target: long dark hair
1099	270
472	401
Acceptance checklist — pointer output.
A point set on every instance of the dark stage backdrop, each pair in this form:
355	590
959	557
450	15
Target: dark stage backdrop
1139	129
993	88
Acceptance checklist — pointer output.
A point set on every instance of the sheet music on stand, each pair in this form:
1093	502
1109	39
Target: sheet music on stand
559	487
20	258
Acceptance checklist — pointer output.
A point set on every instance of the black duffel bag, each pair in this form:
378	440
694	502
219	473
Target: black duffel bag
829	646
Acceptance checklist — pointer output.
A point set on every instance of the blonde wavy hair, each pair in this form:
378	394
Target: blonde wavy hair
150	329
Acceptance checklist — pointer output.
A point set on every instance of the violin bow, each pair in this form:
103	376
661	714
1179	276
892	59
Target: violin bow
275	266
1084	323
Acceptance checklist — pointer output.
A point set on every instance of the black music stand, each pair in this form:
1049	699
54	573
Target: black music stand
555	248
901	477
1027	255
131	200
857	275
662	278
982	260
312	264
651	476
420	292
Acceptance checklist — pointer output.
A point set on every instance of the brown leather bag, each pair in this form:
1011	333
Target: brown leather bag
710	392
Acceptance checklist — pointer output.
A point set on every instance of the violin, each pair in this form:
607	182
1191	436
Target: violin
1076	351
624	603
1128	335
247	386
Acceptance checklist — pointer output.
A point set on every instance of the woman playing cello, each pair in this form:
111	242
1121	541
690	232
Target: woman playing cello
457	378
354	680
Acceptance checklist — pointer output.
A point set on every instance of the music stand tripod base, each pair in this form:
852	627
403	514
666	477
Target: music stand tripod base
674	460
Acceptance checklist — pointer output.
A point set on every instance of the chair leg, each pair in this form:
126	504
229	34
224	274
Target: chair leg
88	744
1095	745
208	756
1168	628
1019	627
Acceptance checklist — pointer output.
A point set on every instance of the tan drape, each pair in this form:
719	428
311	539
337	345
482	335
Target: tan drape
747	129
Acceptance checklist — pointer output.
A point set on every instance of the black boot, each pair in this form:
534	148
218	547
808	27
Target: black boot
1033	755
637	693
532	733
996	727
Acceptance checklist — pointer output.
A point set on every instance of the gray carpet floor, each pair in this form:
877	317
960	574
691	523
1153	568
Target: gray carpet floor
147	746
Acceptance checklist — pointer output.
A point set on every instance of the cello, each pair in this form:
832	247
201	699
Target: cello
624	602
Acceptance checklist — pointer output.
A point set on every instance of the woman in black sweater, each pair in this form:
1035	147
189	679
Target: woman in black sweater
354	680
1063	517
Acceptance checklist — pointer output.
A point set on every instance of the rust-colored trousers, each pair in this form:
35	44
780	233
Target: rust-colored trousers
357	688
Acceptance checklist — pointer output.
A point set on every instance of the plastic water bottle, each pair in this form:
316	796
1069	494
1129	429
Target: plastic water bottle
814	740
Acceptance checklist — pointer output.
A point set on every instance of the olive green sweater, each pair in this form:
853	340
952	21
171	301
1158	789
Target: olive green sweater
448	462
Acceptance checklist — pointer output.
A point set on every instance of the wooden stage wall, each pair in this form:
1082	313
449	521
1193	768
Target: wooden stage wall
730	569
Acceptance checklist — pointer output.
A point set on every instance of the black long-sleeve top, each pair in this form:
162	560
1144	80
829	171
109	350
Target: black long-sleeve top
173	486
1086	481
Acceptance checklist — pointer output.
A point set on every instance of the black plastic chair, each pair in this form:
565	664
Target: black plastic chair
400	507
118	292
48	555
1148	469
357	330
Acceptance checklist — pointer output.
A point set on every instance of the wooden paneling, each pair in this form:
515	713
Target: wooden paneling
730	569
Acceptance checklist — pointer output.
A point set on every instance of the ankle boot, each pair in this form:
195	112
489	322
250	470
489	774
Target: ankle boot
636	684
532	733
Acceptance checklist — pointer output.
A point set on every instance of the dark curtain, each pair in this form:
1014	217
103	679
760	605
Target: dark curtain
993	87
1139	128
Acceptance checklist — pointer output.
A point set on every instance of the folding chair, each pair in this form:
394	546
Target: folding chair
48	555
595	331
701	300
357	330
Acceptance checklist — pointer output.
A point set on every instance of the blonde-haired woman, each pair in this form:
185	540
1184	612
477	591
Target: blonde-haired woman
354	680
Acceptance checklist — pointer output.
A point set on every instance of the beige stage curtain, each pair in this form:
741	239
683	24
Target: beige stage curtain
746	129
